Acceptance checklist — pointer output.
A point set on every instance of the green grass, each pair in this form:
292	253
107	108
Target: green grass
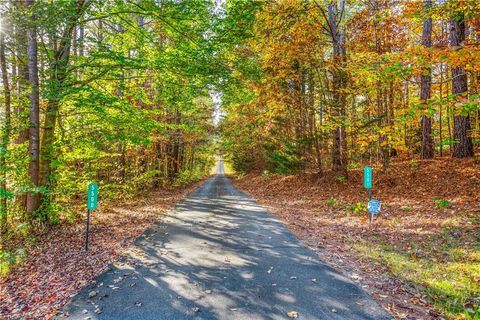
441	203
357	209
447	272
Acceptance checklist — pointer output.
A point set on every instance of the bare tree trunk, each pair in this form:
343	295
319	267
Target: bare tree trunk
34	131
81	46
339	149
440	120
425	86
406	91
21	109
449	125
463	146
6	130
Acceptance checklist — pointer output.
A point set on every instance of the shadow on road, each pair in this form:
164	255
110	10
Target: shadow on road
219	255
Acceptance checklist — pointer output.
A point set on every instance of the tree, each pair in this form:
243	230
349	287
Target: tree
58	76
70	82
33	199
463	146
5	134
425	86
336	13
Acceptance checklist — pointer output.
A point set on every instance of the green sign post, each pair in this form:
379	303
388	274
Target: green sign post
92	204
367	177
368	184
92	196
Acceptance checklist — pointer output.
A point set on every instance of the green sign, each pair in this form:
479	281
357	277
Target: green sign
367	177
92	196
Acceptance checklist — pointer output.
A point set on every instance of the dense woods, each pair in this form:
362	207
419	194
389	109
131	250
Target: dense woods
141	97
108	91
338	84
120	92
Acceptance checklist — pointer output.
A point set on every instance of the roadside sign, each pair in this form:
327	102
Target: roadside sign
374	206
367	177
92	201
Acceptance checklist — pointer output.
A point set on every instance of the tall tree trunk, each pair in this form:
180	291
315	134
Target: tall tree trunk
34	130
121	160
440	119
58	75
425	86
449	125
463	146
5	139
339	150
21	109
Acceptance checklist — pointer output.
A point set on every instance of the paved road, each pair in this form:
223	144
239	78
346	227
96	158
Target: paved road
219	255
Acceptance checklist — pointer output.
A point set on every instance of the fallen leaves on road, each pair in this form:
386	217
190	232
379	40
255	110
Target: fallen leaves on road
195	309
292	314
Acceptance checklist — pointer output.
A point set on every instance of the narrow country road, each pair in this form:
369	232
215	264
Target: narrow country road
219	255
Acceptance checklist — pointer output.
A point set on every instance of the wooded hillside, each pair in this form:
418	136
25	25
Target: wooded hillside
142	96
338	84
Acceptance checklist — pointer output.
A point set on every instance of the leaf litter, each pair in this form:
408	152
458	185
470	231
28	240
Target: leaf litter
319	210
57	266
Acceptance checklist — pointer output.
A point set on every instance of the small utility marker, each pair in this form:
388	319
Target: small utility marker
92	203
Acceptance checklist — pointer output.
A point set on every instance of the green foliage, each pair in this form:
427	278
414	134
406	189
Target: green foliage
134	106
285	160
341	179
333	203
414	164
353	166
189	176
357	209
9	259
441	203
243	161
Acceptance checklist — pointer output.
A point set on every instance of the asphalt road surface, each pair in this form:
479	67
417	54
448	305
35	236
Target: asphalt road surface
219	255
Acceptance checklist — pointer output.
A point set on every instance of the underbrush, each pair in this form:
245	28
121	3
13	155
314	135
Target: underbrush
9	259
69	208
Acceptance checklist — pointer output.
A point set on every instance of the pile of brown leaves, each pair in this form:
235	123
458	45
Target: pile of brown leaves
313	206
57	266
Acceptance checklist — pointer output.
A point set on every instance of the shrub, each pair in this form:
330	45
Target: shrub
332	202
441	203
357	209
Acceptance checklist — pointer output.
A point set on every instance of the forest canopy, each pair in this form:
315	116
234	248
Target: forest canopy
141	97
116	92
333	84
123	92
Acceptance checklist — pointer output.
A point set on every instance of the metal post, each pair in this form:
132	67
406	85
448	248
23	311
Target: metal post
88	230
370	192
